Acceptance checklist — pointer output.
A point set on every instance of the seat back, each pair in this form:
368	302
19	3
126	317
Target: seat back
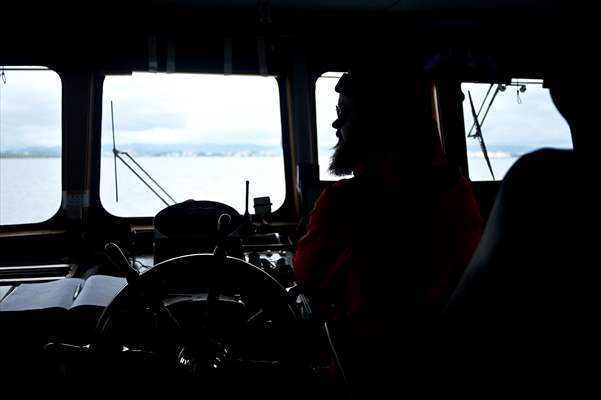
530	297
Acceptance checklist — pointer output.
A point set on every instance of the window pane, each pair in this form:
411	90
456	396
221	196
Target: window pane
198	136
326	100
30	144
521	119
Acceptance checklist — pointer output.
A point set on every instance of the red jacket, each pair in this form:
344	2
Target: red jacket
336	261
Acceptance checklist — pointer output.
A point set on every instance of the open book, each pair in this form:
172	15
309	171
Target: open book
66	307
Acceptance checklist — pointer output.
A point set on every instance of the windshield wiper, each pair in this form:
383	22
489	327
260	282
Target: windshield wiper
117	155
478	133
500	88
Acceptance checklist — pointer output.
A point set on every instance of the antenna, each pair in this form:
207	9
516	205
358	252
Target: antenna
246	214
114	154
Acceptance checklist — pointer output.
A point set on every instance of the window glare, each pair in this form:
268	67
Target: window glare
198	136
30	144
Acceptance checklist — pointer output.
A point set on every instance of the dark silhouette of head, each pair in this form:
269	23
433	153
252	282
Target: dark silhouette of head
574	97
380	111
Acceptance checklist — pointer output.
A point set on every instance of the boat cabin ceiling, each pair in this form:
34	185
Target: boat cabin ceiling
104	32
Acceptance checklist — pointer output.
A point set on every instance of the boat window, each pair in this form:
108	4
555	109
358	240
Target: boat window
30	144
326	100
515	119
189	136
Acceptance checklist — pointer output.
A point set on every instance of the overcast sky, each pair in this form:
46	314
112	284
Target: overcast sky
172	108
30	104
148	108
535	122
185	108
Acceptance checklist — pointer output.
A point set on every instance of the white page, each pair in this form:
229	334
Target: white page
37	296
99	290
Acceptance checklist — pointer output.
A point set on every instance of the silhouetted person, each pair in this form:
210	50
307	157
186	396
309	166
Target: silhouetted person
571	96
374	261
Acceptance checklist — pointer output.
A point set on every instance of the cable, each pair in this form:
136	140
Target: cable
336	358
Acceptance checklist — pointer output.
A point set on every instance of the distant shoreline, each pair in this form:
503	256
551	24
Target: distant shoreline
30	156
240	155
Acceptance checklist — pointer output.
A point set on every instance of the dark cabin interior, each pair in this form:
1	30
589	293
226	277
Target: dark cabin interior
523	313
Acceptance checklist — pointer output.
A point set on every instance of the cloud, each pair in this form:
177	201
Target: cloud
131	119
167	108
151	108
171	108
30	109
535	122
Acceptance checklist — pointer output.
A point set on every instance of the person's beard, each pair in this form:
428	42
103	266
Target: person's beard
344	159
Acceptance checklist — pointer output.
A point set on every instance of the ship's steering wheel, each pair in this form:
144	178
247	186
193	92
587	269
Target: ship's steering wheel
196	317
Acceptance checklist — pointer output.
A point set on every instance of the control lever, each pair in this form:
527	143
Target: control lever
284	272
245	226
222	223
220	255
255	259
116	256
246	213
